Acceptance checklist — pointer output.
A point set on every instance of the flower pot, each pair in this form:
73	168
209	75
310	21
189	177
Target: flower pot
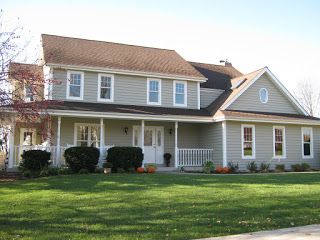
107	170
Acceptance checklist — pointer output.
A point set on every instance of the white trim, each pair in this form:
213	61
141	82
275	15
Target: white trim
99	99
101	146
11	144
267	95
277	82
81	86
159	91
25	93
34	135
303	129
284	148
75	132
128	72
198	95
58	140
224	143
253	141
176	156
185	94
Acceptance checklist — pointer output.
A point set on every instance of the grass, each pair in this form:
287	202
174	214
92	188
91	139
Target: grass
159	206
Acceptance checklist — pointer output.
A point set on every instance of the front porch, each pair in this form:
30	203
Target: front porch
182	140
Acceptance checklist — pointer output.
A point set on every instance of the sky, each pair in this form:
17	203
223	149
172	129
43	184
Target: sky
283	35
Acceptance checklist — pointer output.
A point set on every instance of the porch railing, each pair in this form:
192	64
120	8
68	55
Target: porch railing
194	157
56	160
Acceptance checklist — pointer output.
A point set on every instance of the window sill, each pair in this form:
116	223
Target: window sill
104	100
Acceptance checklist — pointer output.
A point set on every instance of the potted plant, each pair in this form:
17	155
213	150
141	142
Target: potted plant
107	167
167	157
151	168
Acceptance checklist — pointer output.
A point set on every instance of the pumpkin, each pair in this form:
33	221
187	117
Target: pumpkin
140	170
151	170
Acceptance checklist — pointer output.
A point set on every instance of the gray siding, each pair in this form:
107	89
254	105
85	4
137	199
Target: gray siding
264	145
250	101
211	137
130	90
207	96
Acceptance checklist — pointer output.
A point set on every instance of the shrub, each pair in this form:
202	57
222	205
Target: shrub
120	170
233	168
208	167
99	170
35	160
64	171
264	167
219	169
252	167
280	168
53	171
132	170
296	168
83	171
107	165
305	166
125	157
82	158
44	172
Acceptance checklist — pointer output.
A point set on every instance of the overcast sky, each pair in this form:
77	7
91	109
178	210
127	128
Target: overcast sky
283	35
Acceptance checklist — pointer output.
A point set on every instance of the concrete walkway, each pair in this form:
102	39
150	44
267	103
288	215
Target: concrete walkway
310	232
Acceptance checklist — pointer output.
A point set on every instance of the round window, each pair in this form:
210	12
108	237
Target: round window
263	95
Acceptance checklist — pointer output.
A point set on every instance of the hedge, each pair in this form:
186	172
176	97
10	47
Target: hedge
125	158
35	160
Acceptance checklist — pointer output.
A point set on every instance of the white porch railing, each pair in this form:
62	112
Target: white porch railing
194	157
56	160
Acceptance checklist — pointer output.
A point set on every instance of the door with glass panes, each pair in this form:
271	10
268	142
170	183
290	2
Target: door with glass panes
87	135
153	143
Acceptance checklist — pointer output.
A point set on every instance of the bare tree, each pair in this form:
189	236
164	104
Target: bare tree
309	96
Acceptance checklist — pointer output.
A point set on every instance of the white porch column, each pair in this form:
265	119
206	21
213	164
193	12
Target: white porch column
224	143
58	141
142	139
101	147
11	145
176	157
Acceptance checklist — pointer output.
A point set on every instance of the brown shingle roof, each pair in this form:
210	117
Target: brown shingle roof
219	76
23	71
90	53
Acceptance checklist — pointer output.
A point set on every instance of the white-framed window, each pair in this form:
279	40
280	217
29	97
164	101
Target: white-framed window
307	142
154	91
279	142
264	95
86	134
28	93
248	141
105	87
75	85
180	93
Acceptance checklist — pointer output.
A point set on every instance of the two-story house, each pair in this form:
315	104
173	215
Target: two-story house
123	95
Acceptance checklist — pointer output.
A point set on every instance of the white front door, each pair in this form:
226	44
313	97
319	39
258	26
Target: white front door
27	136
153	143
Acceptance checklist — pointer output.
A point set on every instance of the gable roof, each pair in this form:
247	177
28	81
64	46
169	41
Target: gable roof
67	51
219	76
24	71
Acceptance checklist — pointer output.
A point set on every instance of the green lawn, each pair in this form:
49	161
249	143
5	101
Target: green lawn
159	206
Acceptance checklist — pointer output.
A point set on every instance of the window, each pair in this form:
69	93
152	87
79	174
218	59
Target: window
75	85
180	93
248	141
28	93
154	91
87	135
105	87
263	95
279	147
307	142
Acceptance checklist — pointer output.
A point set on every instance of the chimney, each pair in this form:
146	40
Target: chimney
227	64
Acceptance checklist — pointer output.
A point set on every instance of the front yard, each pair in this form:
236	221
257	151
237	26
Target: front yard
159	206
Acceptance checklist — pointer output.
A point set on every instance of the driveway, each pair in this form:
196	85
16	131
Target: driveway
310	232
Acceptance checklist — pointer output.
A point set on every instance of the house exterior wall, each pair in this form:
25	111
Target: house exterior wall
207	96
130	90
211	137
250	100
264	145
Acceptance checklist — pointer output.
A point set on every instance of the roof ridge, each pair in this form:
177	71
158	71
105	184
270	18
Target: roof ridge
258	70
211	64
92	40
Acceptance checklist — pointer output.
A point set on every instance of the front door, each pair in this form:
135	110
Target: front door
27	136
153	143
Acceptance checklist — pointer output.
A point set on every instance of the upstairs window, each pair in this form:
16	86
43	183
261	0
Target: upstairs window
307	142
279	147
28	93
180	93
264	97
75	85
105	87
248	141
154	91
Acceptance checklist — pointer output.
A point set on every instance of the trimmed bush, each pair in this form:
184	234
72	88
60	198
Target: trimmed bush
296	168
125	157
264	167
252	167
78	158
305	166
35	160
280	168
208	167
233	167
